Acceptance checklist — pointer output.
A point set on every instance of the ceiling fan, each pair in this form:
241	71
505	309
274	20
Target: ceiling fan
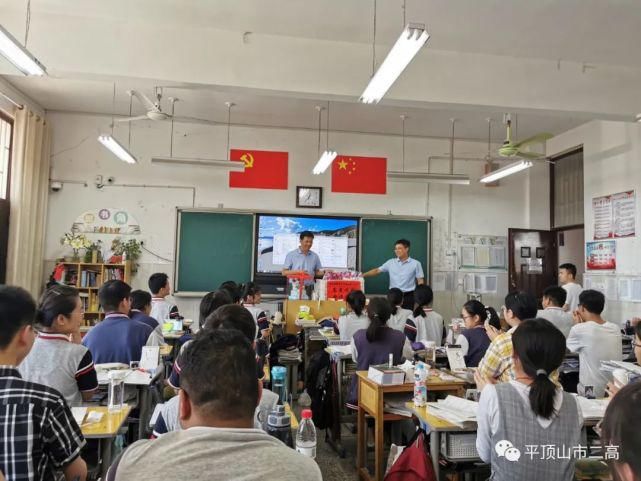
154	109
512	148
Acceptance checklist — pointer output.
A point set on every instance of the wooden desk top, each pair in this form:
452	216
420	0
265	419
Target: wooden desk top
108	426
435	423
433	382
173	335
165	350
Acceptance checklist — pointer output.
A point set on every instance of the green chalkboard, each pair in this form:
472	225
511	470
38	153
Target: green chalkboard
212	247
377	246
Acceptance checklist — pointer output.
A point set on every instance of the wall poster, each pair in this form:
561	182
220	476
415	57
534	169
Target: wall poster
601	256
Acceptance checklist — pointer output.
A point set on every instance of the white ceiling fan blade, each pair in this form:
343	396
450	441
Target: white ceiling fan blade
195	120
132	119
144	100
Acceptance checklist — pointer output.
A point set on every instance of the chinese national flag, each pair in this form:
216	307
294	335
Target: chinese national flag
264	169
359	175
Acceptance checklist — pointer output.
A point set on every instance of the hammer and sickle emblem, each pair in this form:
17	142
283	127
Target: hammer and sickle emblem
248	159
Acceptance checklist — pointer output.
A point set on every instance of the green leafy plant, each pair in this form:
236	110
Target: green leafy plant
76	242
131	249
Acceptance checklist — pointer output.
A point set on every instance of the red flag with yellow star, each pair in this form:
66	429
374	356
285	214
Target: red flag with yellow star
264	169
359	175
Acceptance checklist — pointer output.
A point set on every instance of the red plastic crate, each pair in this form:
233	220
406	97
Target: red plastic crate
339	289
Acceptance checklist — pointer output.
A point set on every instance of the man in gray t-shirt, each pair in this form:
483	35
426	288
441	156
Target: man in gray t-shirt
219	394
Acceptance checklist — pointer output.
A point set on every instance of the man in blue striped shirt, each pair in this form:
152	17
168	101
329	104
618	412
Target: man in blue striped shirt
39	434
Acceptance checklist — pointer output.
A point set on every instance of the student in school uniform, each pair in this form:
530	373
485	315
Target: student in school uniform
141	310
218	400
554	298
208	304
251	297
530	410
161	308
621	427
234	291
424	324
38	433
473	339
567	275
355	318
399	315
230	316
117	338
595	340
374	344
496	364
57	358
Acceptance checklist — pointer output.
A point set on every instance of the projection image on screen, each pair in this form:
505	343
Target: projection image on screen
335	240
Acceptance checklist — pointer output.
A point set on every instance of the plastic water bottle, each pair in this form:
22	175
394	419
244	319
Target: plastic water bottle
279	383
420	389
306	435
116	399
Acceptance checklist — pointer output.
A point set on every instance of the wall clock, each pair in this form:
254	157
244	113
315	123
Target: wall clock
311	197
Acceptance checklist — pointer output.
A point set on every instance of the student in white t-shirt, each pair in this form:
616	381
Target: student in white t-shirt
554	298
424	324
567	275
595	340
399	315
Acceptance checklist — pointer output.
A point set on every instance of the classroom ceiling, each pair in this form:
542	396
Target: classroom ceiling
556	63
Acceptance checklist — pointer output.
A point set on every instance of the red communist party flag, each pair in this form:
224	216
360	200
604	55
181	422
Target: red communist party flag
264	169
359	175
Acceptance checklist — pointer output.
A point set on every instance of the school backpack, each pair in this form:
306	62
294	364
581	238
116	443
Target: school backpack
413	464
319	388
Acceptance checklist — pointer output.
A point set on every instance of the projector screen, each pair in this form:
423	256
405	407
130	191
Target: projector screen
335	240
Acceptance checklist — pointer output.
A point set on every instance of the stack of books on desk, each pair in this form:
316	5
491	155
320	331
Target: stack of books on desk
386	376
458	411
592	409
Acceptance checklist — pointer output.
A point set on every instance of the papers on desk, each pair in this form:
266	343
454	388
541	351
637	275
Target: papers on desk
79	414
341	351
132	376
610	366
592	409
458	411
396	404
456	358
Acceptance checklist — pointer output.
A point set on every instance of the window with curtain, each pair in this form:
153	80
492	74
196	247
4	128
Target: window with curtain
567	189
6	127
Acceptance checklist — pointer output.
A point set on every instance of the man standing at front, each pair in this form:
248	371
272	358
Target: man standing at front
404	272
304	261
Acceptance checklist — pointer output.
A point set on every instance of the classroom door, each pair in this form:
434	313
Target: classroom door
533	260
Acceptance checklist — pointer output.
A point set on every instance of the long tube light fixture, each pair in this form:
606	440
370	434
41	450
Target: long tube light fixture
223	164
117	148
18	55
413	37
325	161
424	177
510	169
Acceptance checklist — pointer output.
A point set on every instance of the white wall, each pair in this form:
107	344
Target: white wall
520	201
573	250
611	153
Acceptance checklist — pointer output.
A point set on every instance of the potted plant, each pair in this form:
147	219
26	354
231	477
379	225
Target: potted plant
129	250
94	253
76	242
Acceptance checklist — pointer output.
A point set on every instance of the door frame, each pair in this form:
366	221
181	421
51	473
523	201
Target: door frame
4	246
511	272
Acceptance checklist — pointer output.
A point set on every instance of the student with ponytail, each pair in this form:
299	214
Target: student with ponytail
399	315
57	359
424	324
530	410
374	344
252	295
474	340
355	318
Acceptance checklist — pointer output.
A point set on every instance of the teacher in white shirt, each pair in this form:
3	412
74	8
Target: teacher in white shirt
405	273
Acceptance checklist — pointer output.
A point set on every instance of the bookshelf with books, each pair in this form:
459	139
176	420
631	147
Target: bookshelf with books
87	278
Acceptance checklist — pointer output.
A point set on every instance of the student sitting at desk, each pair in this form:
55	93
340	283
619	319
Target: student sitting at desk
252	296
117	338
218	400
161	308
595	340
39	434
613	387
399	315
208	304
496	365
374	344
554	298
355	318
57	358
474	340
621	427
234	291
141	310
529	410
424	324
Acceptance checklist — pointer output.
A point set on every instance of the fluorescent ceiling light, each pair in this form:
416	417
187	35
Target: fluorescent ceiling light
510	169
223	164
19	56
117	149
424	177
406	47
325	161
